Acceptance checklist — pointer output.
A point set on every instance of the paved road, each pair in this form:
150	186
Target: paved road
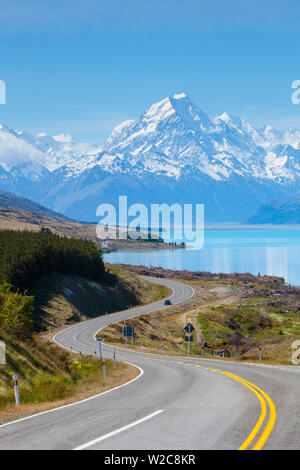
175	403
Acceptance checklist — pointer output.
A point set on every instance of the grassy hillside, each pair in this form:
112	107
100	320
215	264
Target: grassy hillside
48	377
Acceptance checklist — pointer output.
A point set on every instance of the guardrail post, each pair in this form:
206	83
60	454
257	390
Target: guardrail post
104	369
16	389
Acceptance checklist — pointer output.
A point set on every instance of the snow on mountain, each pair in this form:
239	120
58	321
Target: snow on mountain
174	134
172	151
33	156
19	157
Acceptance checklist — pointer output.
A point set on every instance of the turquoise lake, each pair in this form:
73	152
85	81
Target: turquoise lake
271	251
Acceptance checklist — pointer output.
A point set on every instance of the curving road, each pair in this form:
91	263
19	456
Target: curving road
175	403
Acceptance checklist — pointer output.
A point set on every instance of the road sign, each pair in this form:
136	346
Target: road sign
189	328
99	339
128	331
188	338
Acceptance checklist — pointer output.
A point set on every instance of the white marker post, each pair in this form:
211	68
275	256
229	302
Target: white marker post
189	341
100	348
260	354
115	362
16	389
104	369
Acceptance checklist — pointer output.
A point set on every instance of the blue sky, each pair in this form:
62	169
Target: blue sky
82	66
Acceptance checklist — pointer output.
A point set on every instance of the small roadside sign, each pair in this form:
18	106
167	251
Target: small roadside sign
128	330
188	338
99	339
189	328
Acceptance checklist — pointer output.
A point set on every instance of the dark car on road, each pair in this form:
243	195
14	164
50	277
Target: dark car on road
167	302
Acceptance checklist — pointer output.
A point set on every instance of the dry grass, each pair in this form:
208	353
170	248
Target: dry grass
87	387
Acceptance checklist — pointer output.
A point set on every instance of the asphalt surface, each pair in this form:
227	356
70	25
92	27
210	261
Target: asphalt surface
175	403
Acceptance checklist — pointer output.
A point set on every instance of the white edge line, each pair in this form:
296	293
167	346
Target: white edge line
117	431
78	402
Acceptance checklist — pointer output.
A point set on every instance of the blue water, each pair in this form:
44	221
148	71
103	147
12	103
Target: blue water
272	252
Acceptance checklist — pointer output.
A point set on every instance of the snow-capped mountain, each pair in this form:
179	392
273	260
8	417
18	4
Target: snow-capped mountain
172	153
46	152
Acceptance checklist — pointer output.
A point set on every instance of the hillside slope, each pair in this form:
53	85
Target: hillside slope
10	200
285	211
62	300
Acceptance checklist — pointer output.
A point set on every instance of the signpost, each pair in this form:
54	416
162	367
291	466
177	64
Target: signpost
129	331
189	329
100	348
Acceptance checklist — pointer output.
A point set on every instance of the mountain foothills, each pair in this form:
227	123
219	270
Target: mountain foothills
286	211
11	201
172	153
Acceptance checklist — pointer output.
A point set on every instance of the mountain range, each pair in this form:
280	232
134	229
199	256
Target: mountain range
173	153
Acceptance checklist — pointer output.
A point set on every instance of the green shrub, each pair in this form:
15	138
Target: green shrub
16	312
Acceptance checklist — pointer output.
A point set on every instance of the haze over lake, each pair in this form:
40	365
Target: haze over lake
264	251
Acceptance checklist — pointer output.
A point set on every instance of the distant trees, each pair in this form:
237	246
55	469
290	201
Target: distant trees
24	258
27	256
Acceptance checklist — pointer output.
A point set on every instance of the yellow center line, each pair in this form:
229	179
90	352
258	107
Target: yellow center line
263	399
272	419
263	414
